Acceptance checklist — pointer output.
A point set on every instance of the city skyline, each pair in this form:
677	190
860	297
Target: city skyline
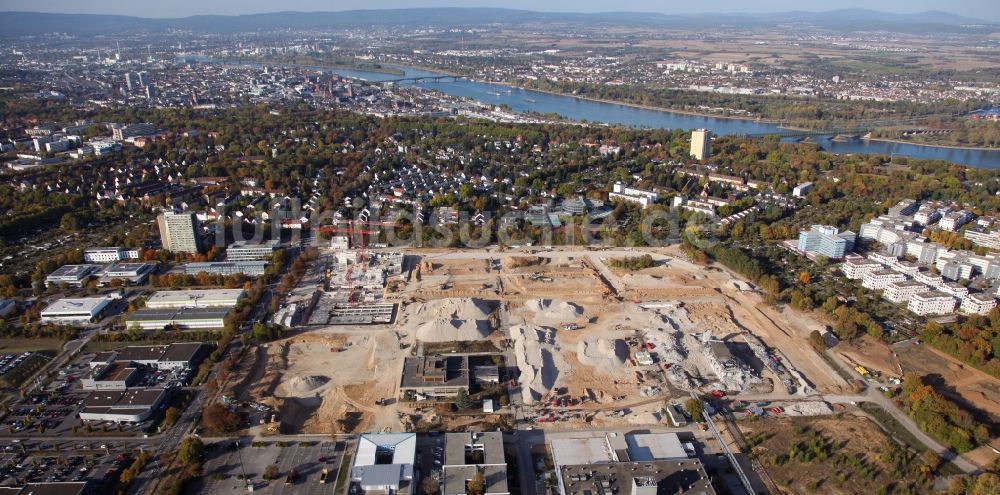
977	9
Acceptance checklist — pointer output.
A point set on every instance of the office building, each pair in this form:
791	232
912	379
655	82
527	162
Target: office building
131	82
109	254
73	275
826	241
931	303
209	298
143	79
121	132
383	464
180	232
701	142
248	268
466	454
250	251
128	273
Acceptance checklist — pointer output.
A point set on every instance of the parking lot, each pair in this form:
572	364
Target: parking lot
308	458
33	461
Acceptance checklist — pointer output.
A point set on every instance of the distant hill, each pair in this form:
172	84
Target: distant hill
18	24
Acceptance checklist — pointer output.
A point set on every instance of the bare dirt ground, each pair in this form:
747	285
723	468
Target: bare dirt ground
953	378
316	390
871	354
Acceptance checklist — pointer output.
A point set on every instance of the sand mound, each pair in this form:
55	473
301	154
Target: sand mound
539	359
603	353
549	312
453	319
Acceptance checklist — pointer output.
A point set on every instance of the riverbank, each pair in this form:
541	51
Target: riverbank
912	143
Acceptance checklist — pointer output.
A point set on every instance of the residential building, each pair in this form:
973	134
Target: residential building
109	254
250	251
926	215
248	268
383	464
929	279
984	237
75	310
704	207
73	275
879	280
801	190
826	241
466	454
701	143
624	193
955	220
855	269
978	304
208	298
904	207
180	232
908	268
925	252
931	303
954	289
901	292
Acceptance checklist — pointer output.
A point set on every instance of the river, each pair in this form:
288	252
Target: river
611	113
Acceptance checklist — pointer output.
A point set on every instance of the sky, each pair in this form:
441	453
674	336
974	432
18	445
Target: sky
977	9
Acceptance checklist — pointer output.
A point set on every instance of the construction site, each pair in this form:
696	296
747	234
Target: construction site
576	341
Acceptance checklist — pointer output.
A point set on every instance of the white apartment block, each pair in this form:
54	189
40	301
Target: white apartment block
931	303
923	251
883	259
978	304
109	254
856	269
929	279
907	268
901	292
926	215
879	280
621	192
955	220
953	289
982	237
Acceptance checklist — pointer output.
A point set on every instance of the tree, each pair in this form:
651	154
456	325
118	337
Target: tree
190	450
462	400
430	486
271	472
696	409
171	416
216	418
477	485
817	341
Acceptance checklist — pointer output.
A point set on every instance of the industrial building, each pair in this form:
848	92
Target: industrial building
208	298
466	454
435	377
383	463
179	355
131	273
75	310
129	406
114	376
627	464
181	318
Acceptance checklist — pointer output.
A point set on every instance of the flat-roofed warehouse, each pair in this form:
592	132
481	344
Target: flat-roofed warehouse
183	318
250	268
435	377
50	488
209	298
631	464
178	355
75	310
130	406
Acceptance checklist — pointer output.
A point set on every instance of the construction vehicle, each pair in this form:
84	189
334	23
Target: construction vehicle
570	326
861	370
323	475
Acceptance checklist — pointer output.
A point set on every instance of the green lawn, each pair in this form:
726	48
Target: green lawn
21	345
